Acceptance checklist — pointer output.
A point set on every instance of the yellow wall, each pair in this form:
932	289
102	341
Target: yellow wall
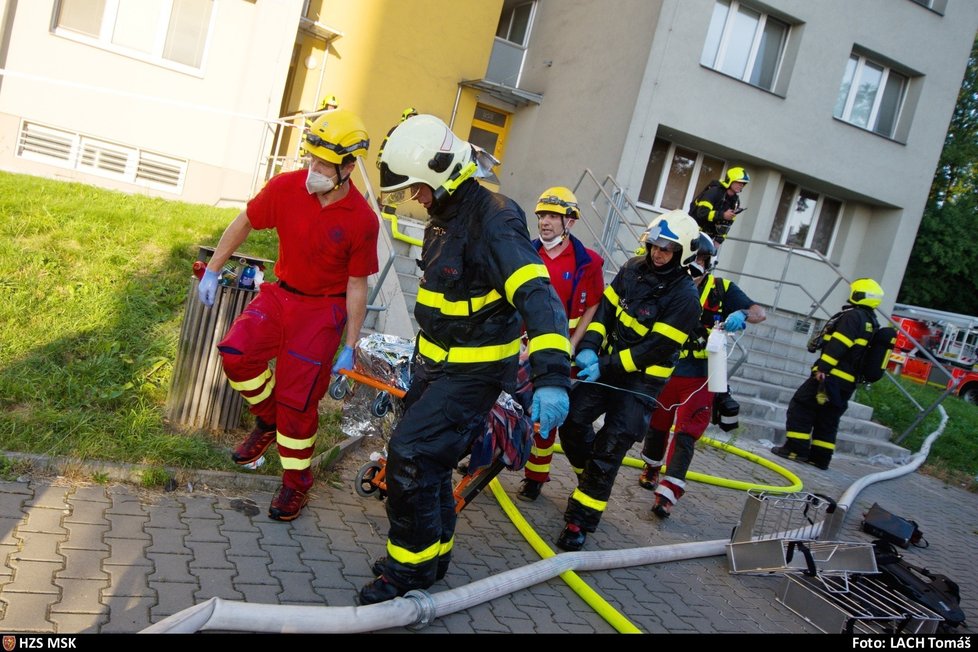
396	53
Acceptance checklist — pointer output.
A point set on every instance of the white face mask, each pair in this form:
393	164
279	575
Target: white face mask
318	183
553	243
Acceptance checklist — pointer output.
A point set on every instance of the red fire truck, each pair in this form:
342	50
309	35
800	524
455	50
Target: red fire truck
952	339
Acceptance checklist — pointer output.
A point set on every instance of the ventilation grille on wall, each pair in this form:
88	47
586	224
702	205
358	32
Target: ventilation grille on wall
77	151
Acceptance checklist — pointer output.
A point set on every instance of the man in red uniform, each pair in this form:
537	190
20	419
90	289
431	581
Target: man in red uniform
575	272
327	248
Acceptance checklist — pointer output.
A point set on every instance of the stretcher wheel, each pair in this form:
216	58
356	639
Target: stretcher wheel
381	405
363	484
338	388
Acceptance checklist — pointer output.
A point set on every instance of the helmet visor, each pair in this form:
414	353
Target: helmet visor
570	207
316	141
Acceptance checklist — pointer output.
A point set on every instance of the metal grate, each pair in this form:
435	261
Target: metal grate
802	326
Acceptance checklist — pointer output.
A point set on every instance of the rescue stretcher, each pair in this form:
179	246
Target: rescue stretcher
505	443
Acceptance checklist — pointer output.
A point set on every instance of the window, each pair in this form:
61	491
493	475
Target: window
488	131
509	48
805	219
745	44
870	96
162	31
676	174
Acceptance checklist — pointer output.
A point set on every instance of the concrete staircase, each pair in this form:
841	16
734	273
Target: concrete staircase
769	362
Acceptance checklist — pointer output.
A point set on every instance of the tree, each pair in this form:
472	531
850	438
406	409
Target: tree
943	263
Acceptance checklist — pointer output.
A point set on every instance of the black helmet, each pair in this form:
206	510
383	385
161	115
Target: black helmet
706	250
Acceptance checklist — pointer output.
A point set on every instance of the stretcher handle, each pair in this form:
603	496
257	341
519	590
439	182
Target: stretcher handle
372	382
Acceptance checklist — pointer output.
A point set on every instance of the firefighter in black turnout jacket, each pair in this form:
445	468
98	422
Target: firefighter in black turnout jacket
482	281
815	410
716	207
631	345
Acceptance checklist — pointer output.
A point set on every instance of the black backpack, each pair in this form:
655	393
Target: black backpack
877	354
937	592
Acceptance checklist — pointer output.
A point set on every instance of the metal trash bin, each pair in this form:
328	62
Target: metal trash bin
200	396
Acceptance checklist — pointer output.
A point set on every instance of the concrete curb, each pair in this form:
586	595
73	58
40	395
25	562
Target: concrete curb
134	473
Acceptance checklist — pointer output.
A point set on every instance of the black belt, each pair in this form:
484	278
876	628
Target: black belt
288	288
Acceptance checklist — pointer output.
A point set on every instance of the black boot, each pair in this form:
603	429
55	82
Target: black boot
380	565
379	590
529	490
571	539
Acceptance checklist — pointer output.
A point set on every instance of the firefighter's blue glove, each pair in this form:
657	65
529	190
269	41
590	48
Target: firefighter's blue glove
207	289
550	406
585	358
345	360
736	321
590	373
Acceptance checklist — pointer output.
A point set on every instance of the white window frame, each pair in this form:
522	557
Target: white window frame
155	56
691	189
861	61
817	214
733	9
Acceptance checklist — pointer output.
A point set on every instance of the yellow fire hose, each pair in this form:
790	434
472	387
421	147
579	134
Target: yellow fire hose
591	597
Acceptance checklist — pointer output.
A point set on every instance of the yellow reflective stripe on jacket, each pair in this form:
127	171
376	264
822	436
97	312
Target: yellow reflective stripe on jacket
294	444
437	301
843	375
572	324
839	336
671	332
832	361
469	354
627	363
522	275
658	371
597	327
587	501
706	204
254	383
446	547
627	320
258	398
549	341
405	556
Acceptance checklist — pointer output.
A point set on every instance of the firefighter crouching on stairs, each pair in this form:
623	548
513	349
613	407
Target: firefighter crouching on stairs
631	345
575	272
482	281
686	398
327	248
812	422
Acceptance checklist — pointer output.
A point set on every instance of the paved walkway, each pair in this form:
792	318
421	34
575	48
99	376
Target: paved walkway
91	558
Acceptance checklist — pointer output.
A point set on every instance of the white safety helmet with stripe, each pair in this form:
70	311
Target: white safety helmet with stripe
676	230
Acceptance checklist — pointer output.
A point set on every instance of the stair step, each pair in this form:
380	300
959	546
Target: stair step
744	389
776	412
846	442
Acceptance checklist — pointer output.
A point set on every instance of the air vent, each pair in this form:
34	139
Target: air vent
803	326
80	152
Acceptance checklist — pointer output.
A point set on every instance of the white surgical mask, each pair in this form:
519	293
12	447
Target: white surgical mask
553	243
318	183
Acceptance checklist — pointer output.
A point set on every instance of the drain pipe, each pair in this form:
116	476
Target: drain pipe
419	608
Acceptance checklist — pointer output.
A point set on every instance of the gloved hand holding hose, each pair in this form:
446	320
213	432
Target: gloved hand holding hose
550	407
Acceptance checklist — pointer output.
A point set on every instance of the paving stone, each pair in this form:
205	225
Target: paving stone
127	526
284	558
127	614
71	623
208	554
85	536
166	517
40	546
86	511
253	570
27	612
275	533
49	497
33	577
199	507
170	568
315	548
244	544
297	588
8	530
331	575
204	529
16	487
233	520
174	597
215	583
124	502
127	552
128	581
259	593
80	596
48	520
167	540
82	565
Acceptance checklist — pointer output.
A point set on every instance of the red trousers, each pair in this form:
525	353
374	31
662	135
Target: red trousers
302	334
